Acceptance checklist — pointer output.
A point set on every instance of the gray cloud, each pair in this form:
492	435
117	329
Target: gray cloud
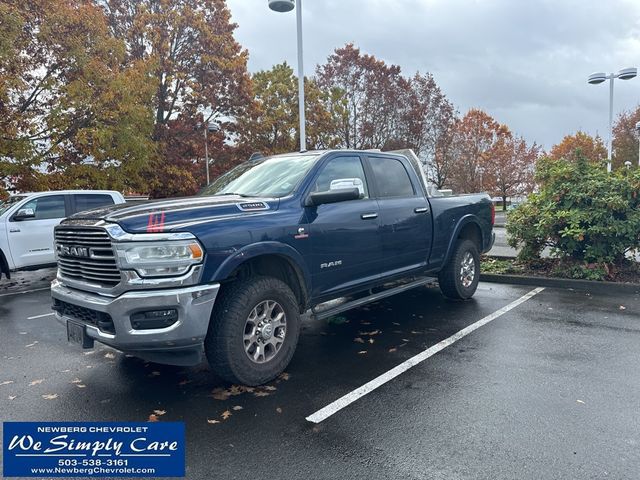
524	62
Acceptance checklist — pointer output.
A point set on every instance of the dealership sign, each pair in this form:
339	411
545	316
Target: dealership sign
93	449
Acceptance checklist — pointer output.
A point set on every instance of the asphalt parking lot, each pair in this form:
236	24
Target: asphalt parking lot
549	389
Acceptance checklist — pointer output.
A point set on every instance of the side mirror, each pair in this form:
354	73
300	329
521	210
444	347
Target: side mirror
340	183
332	196
24	214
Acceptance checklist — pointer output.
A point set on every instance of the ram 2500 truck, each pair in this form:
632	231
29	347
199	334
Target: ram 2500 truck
228	274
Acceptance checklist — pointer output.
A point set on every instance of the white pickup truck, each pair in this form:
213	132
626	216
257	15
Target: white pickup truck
27	221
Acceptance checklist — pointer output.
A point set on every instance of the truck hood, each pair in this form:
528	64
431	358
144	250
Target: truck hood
176	214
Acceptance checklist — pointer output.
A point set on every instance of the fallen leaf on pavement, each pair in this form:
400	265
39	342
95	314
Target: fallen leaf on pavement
159	412
226	414
371	340
109	355
6	382
374	332
236	407
220	394
152	418
362	352
31	344
358	340
270	388
36	382
622	307
212	421
80	385
279	410
284	376
235	390
12	397
50	396
261	394
391	350
76	380
580	401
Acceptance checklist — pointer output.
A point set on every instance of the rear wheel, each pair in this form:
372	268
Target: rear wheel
459	278
253	331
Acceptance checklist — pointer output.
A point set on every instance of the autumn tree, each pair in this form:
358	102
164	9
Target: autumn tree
199	74
626	138
509	167
374	97
272	124
72	114
579	145
427	125
475	136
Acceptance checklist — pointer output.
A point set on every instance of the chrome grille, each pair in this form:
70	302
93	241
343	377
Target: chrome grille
99	267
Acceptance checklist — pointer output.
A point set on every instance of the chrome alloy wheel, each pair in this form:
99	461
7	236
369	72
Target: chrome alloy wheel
264	331
467	270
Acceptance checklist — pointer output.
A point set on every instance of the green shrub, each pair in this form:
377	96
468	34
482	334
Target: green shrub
581	212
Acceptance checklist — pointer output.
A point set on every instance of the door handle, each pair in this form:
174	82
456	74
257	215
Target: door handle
368	216
14	230
421	210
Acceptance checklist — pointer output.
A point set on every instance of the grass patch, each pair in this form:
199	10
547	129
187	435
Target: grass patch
627	271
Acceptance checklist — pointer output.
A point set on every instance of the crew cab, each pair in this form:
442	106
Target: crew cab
27	221
229	274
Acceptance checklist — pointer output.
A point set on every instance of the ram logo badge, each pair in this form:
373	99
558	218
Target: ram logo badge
73	251
335	263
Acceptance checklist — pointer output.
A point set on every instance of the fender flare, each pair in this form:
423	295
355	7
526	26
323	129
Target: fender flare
463	222
265	248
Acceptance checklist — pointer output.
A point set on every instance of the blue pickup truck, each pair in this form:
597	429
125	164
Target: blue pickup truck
230	273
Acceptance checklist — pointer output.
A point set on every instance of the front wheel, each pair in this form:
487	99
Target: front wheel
459	278
253	331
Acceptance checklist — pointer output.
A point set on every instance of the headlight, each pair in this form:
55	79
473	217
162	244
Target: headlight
159	259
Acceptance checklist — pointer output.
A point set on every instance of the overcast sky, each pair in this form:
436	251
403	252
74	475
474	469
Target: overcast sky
523	61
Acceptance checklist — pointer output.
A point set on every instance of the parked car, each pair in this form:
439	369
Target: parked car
228	274
27	221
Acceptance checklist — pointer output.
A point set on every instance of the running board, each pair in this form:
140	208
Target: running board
374	297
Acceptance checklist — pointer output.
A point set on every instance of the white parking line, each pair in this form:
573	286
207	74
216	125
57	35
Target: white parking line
40	316
26	291
360	392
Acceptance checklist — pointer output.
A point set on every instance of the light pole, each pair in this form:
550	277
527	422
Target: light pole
638	130
287	6
210	127
596	78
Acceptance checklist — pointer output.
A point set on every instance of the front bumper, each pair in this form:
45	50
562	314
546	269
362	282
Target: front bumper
178	344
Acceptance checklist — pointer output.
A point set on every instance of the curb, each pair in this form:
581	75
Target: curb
567	283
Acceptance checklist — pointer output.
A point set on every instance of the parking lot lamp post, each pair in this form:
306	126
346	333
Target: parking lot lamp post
599	77
638	130
287	6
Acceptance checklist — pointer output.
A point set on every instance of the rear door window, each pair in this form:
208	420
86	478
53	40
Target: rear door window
88	201
392	179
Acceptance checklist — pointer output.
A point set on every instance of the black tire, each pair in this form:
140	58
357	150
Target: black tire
453	284
225	341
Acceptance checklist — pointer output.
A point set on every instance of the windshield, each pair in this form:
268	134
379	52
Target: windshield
265	177
4	206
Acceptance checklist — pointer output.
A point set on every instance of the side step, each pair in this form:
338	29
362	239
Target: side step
320	314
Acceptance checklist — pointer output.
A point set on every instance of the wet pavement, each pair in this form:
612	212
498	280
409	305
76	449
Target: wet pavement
550	389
